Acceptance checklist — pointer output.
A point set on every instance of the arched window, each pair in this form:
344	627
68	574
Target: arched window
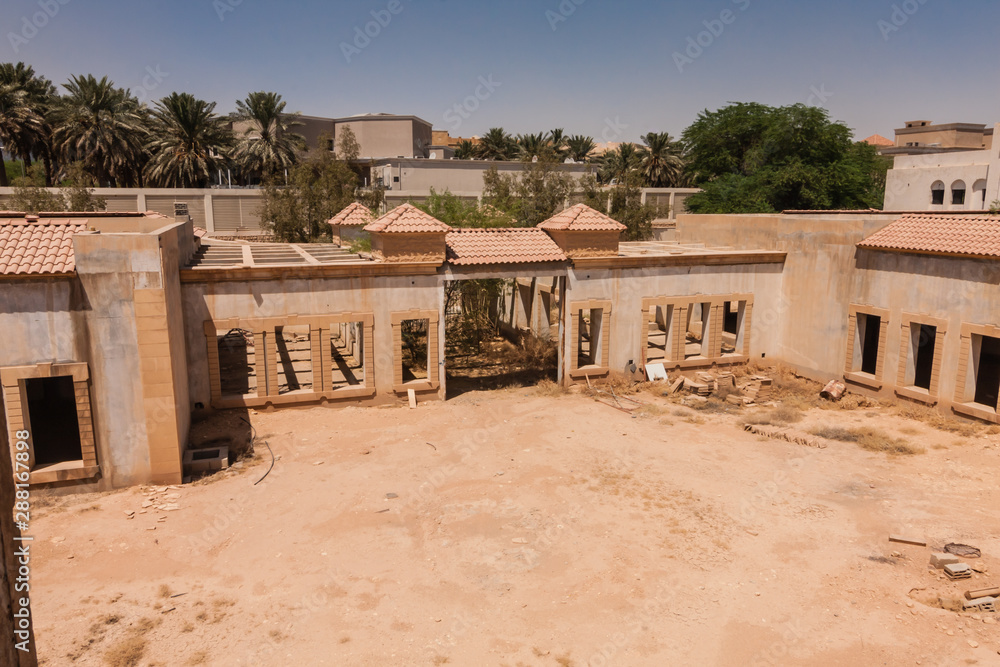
958	193
937	194
979	193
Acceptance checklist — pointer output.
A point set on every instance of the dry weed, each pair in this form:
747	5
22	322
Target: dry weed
126	653
870	439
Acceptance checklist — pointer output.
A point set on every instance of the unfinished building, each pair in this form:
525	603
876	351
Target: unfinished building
118	328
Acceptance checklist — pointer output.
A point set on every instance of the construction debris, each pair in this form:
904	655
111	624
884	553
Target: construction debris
907	540
983	593
833	391
788	435
955	571
986	604
675	387
940	560
963	550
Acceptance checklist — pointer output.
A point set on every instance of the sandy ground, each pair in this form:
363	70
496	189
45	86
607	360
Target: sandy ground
528	529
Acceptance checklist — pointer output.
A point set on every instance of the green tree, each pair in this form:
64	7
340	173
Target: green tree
187	142
752	158
348	148
465	150
31	196
558	140
580	148
496	144
530	197
618	164
40	95
318	188
535	147
18	122
79	191
457	212
626	207
661	161
103	127
268	145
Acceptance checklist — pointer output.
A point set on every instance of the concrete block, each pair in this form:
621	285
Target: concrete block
981	604
940	560
206	460
983	593
958	571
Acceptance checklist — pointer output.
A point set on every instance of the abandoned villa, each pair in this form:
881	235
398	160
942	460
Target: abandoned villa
120	328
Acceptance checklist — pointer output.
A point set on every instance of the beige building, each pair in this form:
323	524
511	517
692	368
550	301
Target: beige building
922	136
953	180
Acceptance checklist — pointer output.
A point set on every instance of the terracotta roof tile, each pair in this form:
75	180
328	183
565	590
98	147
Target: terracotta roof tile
38	247
407	219
966	235
582	218
470	247
879	140
355	215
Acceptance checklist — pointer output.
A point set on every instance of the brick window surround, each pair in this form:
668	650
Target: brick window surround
433	373
678	332
266	364
964	393
852	365
603	369
13	380
906	360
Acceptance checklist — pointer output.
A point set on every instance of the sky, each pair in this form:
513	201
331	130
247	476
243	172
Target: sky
613	70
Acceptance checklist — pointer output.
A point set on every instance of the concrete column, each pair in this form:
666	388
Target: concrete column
209	214
993	177
141	202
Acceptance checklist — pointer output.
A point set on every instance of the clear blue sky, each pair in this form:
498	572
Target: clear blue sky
608	60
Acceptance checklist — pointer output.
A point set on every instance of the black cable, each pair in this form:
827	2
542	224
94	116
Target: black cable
253	433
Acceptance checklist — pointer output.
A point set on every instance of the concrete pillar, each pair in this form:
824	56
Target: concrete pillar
993	177
141	202
210	214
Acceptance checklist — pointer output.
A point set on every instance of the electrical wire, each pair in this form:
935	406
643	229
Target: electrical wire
253	433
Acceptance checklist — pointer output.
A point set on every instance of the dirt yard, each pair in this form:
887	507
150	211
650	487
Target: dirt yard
523	527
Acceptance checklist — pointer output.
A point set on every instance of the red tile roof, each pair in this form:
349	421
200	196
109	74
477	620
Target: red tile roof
471	247
582	218
965	235
29	246
880	141
355	215
407	219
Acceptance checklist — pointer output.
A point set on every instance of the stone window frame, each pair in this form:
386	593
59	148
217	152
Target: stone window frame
927	396
851	374
604	369
264	330
433	380
12	379
682	305
963	405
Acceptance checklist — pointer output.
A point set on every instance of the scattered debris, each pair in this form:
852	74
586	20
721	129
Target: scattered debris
907	540
963	550
940	560
983	593
981	604
390	496
655	372
675	387
519	540
435	448
833	391
412	395
382	511
788	435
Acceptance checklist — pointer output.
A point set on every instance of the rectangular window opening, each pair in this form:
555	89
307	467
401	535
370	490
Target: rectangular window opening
588	344
987	365
696	340
293	348
237	362
923	338
866	344
733	316
937	197
347	346
958	197
659	335
416	349
55	426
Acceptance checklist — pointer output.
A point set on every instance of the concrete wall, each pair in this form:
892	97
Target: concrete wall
260	299
389	137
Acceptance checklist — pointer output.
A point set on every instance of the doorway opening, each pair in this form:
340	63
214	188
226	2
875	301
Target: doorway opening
55	426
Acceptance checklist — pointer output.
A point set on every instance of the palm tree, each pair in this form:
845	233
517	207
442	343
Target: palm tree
580	148
103	127
40	95
535	146
465	150
496	144
267	145
187	142
17	121
662	163
558	139
616	165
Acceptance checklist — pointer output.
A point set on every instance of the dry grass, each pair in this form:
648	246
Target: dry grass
935	419
165	591
199	658
550	389
780	416
126	653
870	439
